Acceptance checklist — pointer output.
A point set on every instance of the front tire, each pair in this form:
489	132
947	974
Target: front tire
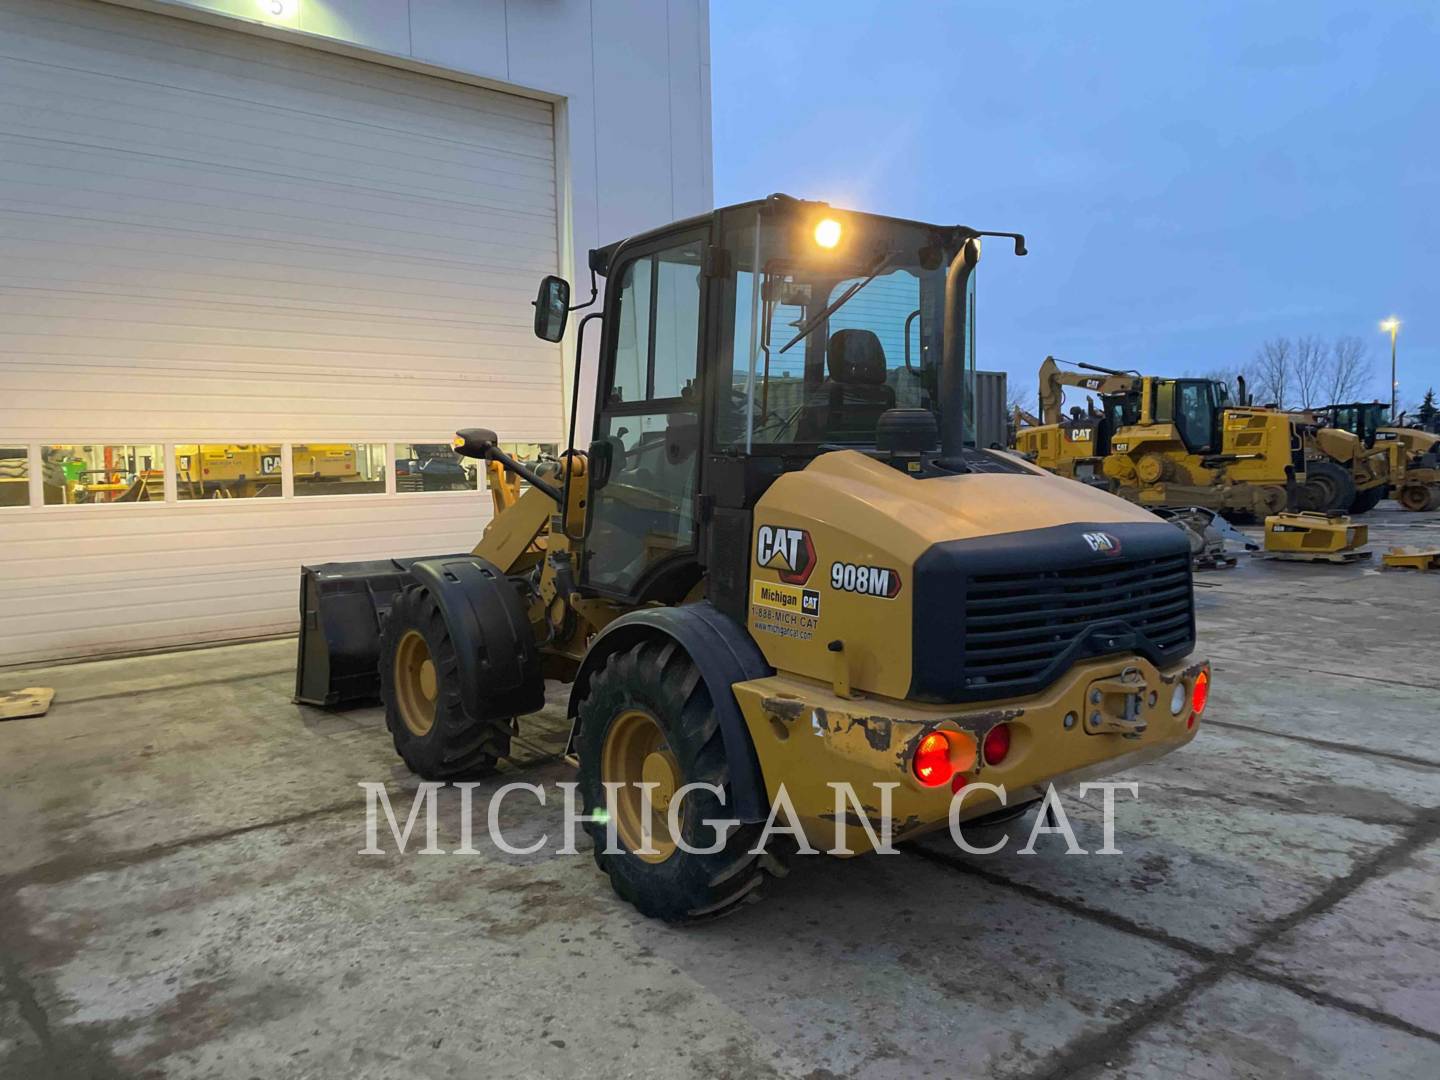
648	717
420	686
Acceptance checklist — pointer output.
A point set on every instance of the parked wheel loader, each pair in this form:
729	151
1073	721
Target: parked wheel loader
780	565
1169	442
1342	474
1413	455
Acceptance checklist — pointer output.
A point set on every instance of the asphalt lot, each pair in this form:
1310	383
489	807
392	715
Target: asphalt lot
181	892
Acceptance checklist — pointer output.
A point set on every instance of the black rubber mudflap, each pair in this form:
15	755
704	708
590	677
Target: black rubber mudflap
342	606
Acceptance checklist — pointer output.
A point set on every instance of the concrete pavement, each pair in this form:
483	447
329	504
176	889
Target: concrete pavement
181	892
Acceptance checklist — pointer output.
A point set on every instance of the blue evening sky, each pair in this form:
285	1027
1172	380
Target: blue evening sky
1192	178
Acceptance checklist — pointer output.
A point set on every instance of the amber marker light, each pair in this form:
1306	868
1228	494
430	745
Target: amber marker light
941	755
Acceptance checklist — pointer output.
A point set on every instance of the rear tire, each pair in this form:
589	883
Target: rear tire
1328	488
648	711
420	686
1418	497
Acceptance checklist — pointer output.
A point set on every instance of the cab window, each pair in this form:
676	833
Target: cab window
658	326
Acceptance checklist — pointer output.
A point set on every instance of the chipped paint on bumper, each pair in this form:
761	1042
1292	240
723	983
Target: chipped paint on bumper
808	737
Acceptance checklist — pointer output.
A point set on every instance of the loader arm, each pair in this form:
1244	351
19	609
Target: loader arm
513	531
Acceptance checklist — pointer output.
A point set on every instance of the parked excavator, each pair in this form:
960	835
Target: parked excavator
758	598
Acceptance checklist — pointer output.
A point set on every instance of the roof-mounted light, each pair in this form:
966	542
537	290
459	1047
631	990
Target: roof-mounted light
827	232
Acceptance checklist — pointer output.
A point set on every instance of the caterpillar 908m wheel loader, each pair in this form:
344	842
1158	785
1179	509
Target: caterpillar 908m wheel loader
781	565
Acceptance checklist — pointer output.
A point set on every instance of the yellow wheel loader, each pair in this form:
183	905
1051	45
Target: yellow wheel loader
781	567
1169	442
1412	455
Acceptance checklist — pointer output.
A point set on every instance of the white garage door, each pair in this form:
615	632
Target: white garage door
247	291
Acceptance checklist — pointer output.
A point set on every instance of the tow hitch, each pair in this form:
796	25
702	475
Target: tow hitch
1112	706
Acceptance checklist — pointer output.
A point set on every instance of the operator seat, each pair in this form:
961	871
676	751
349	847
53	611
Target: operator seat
848	404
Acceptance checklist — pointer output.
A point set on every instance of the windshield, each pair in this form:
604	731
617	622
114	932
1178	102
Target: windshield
823	341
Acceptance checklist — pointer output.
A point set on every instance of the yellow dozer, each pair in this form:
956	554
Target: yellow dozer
780	567
1169	442
1412	455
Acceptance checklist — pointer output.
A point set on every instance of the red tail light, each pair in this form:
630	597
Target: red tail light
997	744
932	760
1201	694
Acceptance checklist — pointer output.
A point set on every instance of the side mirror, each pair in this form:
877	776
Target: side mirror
552	308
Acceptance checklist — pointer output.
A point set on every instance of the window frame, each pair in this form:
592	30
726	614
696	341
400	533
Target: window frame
626	257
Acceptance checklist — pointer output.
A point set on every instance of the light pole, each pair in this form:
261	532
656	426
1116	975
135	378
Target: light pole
1392	326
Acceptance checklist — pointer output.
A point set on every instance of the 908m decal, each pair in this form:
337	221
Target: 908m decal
865	580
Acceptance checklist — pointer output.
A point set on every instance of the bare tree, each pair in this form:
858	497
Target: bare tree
1272	370
1308	370
1348	372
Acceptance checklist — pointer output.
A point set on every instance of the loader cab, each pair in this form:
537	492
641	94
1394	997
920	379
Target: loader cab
1362	419
740	345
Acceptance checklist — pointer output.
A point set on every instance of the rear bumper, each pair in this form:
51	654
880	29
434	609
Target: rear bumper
807	739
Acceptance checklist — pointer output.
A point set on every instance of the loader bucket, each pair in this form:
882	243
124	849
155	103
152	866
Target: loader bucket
342	607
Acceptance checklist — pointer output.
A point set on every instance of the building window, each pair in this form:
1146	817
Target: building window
14	476
91	473
228	470
433	467
338	468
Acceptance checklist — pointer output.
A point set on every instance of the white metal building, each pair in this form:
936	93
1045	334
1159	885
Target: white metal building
258	260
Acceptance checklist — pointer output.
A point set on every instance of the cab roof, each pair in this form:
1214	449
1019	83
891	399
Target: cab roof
601	257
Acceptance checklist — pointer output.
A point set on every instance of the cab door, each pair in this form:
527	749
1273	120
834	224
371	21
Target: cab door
1196	416
641	529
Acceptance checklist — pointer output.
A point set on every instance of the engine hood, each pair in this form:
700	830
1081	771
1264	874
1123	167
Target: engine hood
905	516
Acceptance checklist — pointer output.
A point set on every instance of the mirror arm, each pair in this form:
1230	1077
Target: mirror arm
594	292
494	453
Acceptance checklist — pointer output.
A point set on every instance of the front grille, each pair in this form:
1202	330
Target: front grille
1018	626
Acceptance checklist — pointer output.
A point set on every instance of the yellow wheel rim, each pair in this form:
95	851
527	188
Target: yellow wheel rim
416	683
637	752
